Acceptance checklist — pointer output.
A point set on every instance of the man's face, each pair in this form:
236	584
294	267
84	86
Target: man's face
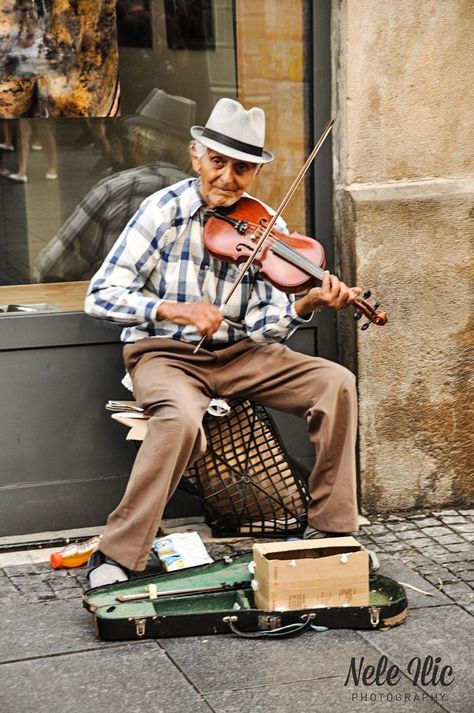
223	180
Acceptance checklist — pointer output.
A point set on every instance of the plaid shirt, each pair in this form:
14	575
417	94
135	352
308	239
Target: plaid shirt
160	256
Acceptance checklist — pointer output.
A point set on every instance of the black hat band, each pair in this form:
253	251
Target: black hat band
232	143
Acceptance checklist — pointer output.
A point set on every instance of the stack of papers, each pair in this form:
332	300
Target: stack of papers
124	406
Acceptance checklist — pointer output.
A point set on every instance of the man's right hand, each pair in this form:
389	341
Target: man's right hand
205	317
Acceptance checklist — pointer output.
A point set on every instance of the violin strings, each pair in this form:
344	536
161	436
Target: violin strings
284	251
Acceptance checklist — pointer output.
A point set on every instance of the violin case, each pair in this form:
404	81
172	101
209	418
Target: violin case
221	602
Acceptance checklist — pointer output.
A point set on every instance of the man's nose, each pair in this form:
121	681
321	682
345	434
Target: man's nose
228	176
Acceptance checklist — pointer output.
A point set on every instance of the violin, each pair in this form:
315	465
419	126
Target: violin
292	263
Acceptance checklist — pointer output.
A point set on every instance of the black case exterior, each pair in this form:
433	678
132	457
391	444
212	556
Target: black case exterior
128	624
252	620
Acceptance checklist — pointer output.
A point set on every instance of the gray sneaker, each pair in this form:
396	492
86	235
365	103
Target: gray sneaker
312	534
103	570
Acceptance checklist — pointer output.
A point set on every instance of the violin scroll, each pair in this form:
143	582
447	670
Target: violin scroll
373	314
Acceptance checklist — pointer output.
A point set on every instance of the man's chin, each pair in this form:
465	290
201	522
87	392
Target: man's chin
223	200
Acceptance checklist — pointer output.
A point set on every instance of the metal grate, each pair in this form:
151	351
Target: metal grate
246	480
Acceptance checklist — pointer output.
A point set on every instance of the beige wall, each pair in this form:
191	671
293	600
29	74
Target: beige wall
404	157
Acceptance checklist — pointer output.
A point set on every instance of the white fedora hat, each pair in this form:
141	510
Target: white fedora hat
235	131
164	112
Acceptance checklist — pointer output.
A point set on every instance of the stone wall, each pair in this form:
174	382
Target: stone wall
404	196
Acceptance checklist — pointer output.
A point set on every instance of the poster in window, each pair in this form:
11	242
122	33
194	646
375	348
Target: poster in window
134	25
58	58
190	25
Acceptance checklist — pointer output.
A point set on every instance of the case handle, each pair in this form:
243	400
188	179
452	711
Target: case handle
282	632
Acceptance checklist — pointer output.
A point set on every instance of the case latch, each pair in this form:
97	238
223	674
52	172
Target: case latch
140	626
267	621
374	616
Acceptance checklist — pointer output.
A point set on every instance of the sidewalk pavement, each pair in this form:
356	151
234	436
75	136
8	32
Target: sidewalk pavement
51	660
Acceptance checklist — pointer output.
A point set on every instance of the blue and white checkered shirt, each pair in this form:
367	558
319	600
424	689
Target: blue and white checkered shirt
160	256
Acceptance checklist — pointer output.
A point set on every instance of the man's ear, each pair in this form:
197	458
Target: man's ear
195	160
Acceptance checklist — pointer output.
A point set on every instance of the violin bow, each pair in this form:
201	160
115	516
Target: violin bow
279	211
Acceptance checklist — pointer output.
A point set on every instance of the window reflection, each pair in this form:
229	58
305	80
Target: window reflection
85	177
155	141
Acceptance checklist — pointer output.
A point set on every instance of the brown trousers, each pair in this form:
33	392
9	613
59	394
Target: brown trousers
175	386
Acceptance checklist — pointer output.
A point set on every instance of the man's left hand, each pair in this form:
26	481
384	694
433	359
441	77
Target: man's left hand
332	293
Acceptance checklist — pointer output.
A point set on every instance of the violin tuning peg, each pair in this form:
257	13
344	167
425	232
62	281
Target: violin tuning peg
367	294
357	314
366	325
376	305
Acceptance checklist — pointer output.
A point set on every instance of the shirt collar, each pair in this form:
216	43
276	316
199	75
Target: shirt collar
197	200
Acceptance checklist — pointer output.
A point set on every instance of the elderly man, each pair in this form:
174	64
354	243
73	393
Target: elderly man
161	283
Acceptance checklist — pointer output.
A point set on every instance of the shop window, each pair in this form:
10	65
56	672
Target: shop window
58	224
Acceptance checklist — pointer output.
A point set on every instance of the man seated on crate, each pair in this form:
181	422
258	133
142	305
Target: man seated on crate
161	283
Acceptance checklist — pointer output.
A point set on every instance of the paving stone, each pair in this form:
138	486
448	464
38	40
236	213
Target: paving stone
448	558
444	631
33	588
401	526
412	534
446	513
7	587
328	694
313	655
453	519
436	531
428	522
375	529
439	579
462	567
460	592
66	583
42	629
458	547
392	547
407	552
450	539
400	572
58	575
69	592
466	527
415	561
420	542
434	550
467	512
130	678
385	539
21	570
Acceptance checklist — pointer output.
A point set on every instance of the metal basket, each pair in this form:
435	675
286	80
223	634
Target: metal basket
247	483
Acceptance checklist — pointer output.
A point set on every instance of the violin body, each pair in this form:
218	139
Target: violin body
235	242
292	263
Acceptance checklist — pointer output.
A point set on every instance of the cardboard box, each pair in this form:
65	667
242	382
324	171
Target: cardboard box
330	572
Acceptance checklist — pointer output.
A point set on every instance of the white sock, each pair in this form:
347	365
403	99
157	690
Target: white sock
107	574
